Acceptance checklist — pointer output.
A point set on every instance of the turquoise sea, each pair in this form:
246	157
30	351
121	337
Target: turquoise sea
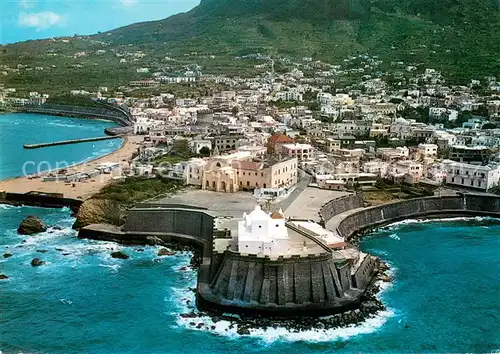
18	129
444	298
445	292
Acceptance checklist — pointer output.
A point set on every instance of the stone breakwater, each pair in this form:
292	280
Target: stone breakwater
117	114
68	142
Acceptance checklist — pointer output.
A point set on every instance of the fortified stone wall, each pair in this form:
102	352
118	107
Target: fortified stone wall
450	205
341	205
364	271
285	284
189	222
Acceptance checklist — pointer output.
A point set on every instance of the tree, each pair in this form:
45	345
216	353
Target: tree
489	126
205	151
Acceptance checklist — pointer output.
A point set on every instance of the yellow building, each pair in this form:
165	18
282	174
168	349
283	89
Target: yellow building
223	175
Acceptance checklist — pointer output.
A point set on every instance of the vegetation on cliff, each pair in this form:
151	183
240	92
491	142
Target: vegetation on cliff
455	36
109	205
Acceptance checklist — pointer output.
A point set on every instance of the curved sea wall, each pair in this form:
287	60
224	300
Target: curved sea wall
341	205
353	222
109	112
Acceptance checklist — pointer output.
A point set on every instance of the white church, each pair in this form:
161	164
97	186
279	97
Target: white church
262	233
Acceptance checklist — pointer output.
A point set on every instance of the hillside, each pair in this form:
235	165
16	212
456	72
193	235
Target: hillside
459	37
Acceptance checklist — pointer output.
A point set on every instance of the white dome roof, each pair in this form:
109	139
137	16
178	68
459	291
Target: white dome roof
258	214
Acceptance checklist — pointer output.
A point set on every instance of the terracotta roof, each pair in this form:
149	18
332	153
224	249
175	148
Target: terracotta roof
280	139
277	215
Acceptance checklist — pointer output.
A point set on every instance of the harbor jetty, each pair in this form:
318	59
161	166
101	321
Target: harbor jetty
67	142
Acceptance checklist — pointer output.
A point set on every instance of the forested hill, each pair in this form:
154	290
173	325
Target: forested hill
459	37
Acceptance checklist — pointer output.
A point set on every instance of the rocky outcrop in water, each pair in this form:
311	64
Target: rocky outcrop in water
119	255
7	255
36	262
3	276
98	211
31	225
165	252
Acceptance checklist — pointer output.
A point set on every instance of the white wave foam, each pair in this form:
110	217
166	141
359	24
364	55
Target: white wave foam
269	335
113	267
452	219
186	300
395	237
7	207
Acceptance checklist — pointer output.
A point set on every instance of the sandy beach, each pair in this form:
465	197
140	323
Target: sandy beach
77	190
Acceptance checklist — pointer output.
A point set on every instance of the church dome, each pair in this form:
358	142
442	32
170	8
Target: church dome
258	214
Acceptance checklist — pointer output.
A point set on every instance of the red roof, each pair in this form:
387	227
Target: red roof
280	139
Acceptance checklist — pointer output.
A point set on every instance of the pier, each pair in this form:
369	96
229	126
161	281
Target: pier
67	142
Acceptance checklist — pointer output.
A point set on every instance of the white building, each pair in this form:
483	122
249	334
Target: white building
428	150
262	234
472	176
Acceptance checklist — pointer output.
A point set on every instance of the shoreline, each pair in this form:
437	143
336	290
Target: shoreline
76	190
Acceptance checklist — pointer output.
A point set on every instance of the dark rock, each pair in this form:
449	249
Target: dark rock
192	324
57	227
385	278
31	225
212	328
183	269
59	249
189	315
36	262
200	325
3	276
7	255
119	255
139	250
243	331
154	241
165	252
41	251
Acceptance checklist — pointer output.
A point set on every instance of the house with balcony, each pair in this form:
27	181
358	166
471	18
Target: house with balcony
300	151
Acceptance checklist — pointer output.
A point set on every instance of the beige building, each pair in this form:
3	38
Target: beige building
300	151
223	175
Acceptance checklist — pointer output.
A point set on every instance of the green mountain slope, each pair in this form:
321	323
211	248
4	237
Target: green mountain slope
459	37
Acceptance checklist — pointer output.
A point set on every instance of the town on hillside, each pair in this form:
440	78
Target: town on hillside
391	134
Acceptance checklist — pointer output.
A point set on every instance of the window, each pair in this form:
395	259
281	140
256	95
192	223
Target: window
453	179
256	173
262	175
277	225
248	184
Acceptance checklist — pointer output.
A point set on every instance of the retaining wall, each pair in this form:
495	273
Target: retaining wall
341	205
468	204
190	222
